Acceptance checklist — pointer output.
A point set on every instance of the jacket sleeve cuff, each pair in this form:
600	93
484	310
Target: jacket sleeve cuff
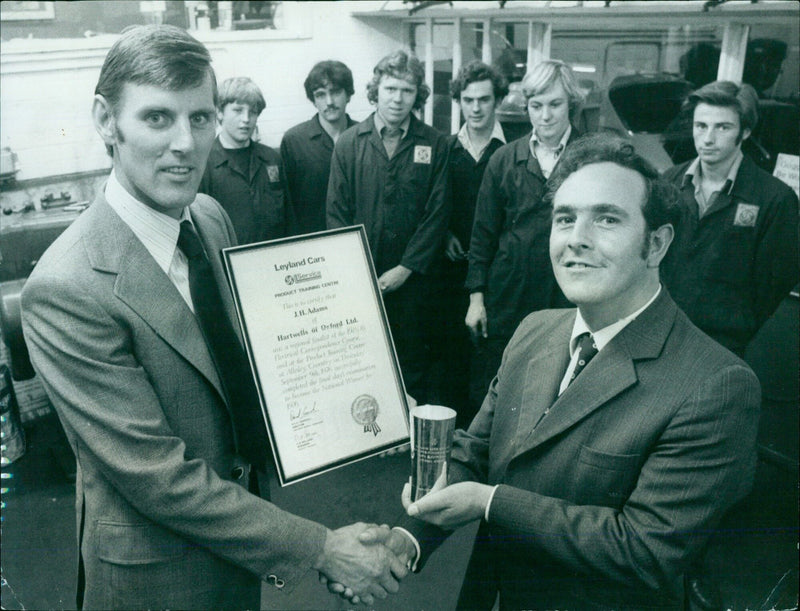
413	563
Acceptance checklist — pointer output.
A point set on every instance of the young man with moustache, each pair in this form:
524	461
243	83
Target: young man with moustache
478	89
509	275
306	149
614	436
389	172
131	329
245	176
736	257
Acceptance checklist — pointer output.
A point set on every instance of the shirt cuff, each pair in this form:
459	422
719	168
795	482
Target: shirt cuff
413	562
489	504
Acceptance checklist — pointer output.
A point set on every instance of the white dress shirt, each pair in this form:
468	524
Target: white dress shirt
546	156
157	231
477	153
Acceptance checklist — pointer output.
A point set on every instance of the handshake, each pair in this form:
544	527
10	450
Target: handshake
362	562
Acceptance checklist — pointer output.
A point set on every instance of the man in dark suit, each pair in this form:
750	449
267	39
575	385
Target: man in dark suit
614	436
167	509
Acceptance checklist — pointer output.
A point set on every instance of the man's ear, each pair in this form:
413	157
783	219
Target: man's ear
745	134
660	239
104	121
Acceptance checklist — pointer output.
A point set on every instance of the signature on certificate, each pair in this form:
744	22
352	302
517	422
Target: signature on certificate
301	411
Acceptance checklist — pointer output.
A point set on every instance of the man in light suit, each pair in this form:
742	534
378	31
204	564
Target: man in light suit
167	511
597	469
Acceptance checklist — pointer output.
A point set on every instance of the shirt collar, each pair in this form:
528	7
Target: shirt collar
603	336
561	143
463	138
380	124
157	231
694	173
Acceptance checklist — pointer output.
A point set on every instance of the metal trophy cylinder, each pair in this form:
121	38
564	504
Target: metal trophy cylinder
431	440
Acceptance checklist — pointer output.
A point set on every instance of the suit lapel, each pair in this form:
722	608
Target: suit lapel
543	376
611	372
608	374
146	289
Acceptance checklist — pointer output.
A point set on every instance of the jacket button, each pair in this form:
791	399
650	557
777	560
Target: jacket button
237	472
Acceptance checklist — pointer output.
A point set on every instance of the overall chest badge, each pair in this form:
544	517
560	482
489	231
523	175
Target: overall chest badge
273	173
422	154
746	215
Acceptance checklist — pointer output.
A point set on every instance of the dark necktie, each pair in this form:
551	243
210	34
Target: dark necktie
586	351
226	351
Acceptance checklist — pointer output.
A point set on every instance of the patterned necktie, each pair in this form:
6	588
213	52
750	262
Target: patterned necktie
226	351
586	351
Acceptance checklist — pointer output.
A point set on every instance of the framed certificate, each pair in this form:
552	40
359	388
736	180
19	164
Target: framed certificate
321	351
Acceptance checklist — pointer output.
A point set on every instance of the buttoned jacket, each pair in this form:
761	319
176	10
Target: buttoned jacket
306	150
603	501
403	202
730	269
164	517
509	256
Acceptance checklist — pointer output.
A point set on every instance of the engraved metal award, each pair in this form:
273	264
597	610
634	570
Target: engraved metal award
431	440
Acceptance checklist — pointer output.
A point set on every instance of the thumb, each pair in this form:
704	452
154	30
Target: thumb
405	497
375	534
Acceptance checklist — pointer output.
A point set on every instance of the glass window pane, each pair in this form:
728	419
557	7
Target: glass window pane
442	75
771	67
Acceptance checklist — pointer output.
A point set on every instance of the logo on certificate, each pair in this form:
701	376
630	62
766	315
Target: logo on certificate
292	278
746	215
365	412
422	154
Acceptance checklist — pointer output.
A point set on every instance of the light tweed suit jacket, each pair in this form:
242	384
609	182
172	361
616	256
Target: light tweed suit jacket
605	501
164	516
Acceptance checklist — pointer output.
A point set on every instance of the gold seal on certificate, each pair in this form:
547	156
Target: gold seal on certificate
365	412
315	330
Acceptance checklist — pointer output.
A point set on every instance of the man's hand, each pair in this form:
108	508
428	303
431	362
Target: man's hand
366	571
395	540
450	507
453	249
393	279
476	317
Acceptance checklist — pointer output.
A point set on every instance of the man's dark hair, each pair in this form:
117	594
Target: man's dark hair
661	205
741	98
330	73
160	55
475	72
403	66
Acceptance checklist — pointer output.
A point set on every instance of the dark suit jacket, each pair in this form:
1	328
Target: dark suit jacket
605	501
164	518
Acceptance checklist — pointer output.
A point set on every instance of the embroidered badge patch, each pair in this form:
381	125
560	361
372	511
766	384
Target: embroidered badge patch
746	215
422	154
273	173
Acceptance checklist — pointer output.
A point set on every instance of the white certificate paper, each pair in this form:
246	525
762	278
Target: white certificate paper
320	348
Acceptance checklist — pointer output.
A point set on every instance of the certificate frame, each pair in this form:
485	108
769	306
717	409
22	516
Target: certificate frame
320	349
